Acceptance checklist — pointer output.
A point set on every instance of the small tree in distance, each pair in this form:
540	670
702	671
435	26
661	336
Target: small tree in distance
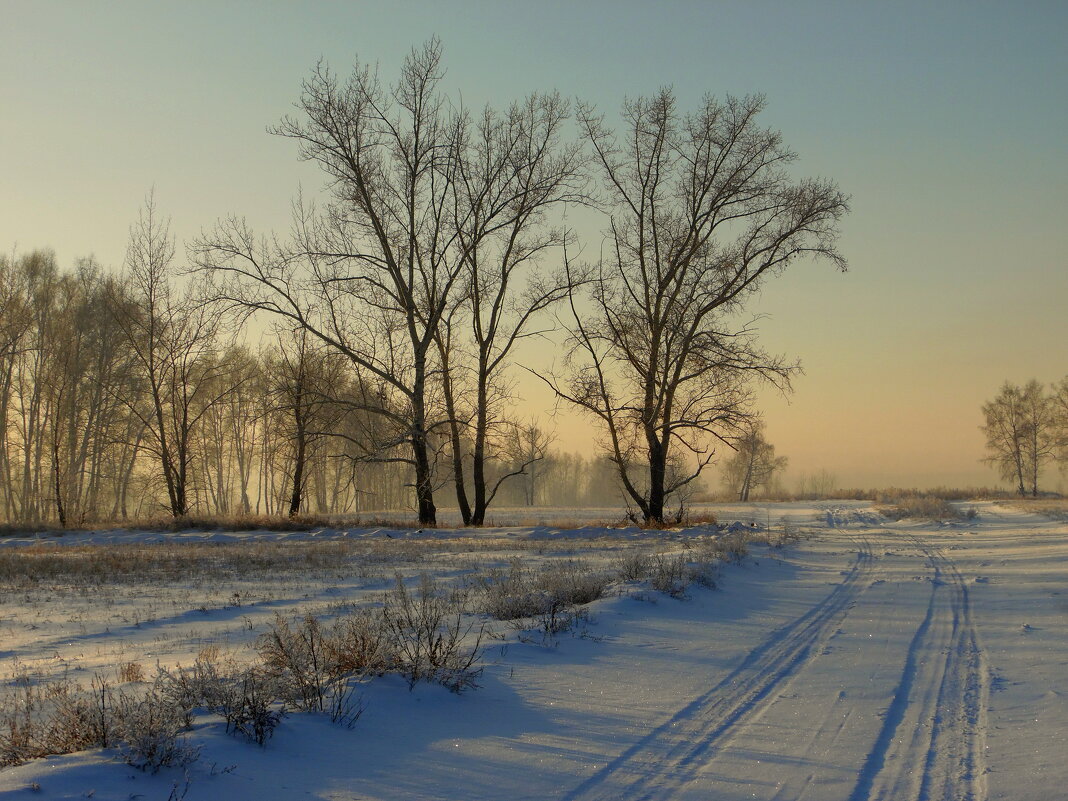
1021	434
753	465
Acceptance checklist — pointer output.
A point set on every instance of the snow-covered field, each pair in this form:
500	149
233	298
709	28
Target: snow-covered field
869	660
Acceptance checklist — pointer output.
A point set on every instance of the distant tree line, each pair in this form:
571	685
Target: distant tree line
121	399
393	312
1026	429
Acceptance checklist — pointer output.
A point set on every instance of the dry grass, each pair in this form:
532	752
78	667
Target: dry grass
130	672
155	562
123	563
187	523
920	507
62	717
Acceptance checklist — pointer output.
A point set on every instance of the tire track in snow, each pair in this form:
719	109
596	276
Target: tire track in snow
932	743
674	752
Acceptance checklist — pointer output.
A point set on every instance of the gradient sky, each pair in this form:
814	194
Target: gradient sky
946	122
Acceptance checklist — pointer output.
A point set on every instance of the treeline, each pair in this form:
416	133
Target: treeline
108	414
1026	430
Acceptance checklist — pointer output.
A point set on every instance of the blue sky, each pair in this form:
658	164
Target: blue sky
945	122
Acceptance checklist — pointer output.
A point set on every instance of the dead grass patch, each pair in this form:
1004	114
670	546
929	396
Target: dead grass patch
920	507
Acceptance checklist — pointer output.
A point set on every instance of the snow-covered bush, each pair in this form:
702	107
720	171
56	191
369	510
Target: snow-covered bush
148	730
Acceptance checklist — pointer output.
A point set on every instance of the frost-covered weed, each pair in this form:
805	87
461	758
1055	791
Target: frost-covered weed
430	636
921	507
60	718
633	565
548	596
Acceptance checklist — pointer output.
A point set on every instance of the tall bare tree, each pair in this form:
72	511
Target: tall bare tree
173	342
374	275
511	170
700	211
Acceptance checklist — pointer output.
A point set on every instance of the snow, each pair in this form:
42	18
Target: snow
870	660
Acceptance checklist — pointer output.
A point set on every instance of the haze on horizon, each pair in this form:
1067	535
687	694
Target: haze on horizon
945	126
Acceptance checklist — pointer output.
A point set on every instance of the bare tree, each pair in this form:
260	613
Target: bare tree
511	170
700	210
1059	403
753	465
373	277
1020	434
528	446
173	343
303	381
1041	431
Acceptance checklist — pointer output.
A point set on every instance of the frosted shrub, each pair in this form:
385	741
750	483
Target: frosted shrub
251	710
549	596
670	574
298	660
510	595
246	697
731	547
149	732
63	718
633	565
428	635
359	645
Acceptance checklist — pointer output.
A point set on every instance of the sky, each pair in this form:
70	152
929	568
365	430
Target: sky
945	122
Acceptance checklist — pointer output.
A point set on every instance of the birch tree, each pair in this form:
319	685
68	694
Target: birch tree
172	340
1021	436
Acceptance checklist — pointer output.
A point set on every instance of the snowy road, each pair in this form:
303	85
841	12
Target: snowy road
880	690
673	755
930	745
874	660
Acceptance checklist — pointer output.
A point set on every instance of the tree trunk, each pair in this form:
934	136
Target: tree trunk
60	511
657	476
424	484
424	487
454	435
478	466
298	469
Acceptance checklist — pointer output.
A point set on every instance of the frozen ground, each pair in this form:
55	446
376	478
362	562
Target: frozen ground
871	660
